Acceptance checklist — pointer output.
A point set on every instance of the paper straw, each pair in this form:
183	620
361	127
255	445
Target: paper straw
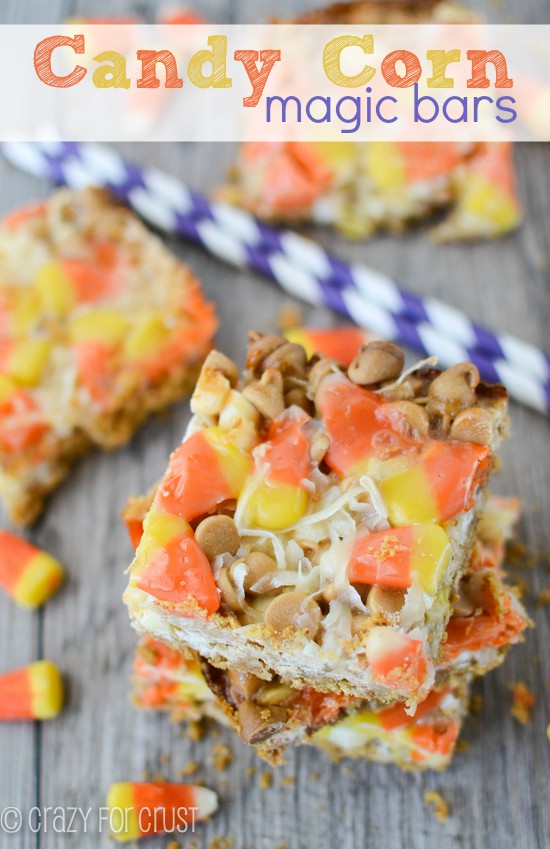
300	266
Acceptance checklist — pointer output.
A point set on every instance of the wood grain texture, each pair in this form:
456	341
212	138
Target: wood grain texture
498	787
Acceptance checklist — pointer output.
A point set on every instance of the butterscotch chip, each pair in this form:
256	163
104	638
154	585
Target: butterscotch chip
294	610
217	535
375	363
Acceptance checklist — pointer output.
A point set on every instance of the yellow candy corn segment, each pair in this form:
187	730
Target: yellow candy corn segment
40	580
482	199
339	155
193	686
385	166
276	507
7	388
54	289
123	817
46	688
26	313
146	338
353	731
235	465
300	337
430	556
408	497
28	360
158	530
99	326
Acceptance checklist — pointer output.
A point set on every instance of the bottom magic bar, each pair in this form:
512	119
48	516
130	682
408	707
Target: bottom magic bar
272	715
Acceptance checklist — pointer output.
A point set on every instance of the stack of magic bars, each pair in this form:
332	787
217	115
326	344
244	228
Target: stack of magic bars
321	563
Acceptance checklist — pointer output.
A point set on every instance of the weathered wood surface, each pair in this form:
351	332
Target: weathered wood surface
498	787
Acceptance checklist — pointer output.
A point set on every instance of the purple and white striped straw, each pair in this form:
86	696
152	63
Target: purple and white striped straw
300	266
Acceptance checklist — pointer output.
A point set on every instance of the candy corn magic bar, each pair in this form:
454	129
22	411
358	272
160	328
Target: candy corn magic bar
99	327
487	619
360	187
315	523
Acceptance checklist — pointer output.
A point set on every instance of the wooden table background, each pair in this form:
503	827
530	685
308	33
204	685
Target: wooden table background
498	788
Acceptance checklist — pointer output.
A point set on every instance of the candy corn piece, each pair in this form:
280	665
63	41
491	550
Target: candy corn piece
32	692
487	203
421	480
396	659
338	343
275	496
204	471
171	567
400	556
28	574
140	809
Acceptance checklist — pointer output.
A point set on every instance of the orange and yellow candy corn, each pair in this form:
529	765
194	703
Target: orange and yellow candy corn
292	174
20	423
139	809
398	557
276	496
27	574
484	631
205	470
338	343
395	659
32	692
432	481
171	566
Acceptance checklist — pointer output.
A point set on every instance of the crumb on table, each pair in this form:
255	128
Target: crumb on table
222	756
476	703
543	597
523	700
266	780
437	803
289	316
190	768
195	731
221	842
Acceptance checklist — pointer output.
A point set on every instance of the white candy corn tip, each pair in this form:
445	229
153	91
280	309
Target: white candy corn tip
206	802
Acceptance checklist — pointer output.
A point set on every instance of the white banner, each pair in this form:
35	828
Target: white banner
134	82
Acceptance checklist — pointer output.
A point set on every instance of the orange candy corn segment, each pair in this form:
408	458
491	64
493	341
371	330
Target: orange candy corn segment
433	739
395	659
30	576
357	429
20	425
32	692
397	556
383	558
138	809
397	717
32	210
338	343
285	456
486	631
135	530
195	482
97	277
180	573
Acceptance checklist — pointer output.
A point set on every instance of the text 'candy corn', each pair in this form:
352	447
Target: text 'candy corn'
27	574
31	692
143	808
